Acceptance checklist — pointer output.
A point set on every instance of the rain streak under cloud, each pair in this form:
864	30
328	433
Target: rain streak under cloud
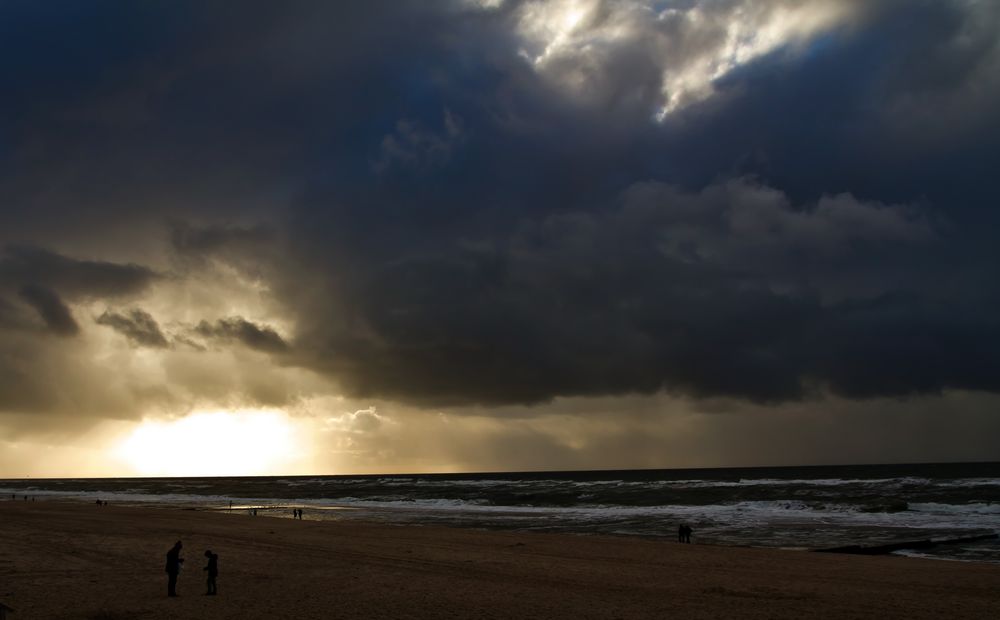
501	235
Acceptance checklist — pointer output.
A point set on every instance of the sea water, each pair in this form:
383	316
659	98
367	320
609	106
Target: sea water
788	507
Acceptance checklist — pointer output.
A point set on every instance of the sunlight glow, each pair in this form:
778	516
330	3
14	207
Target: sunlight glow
218	443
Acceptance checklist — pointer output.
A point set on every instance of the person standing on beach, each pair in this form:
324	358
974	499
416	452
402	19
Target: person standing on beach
213	572
684	533
174	562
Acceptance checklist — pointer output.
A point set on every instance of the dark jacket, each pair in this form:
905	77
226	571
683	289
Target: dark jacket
174	561
213	565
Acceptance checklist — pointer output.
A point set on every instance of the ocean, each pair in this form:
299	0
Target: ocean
787	507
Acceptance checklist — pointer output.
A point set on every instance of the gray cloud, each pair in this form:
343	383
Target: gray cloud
51	309
257	337
22	265
137	325
730	290
657	59
417	148
483	212
188	239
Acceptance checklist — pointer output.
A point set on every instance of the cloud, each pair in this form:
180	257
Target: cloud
662	58
471	203
732	290
25	265
188	239
137	325
251	335
51	309
361	421
417	148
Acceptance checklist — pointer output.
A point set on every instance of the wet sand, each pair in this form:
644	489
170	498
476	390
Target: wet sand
75	560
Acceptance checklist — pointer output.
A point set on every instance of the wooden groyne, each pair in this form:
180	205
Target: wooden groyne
926	543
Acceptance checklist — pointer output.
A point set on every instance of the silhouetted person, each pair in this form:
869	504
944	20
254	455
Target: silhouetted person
213	572
174	562
684	533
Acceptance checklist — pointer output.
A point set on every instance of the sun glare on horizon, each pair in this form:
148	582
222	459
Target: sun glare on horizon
215	443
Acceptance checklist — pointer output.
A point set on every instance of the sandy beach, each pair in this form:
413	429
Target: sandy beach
74	560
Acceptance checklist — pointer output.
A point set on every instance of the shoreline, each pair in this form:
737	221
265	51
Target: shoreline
898	547
73	560
789	507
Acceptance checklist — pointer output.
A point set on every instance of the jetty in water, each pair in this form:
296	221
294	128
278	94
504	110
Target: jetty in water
926	543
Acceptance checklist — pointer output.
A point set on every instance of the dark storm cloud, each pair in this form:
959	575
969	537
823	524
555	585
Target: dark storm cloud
536	266
136	325
458	223
22	265
51	309
238	329
731	291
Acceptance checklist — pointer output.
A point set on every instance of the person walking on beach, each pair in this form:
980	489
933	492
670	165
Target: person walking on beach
684	533
213	572
174	562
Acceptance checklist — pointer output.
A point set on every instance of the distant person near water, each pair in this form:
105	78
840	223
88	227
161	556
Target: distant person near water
684	533
174	562
213	572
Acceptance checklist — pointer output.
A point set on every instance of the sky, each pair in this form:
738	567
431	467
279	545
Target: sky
478	235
